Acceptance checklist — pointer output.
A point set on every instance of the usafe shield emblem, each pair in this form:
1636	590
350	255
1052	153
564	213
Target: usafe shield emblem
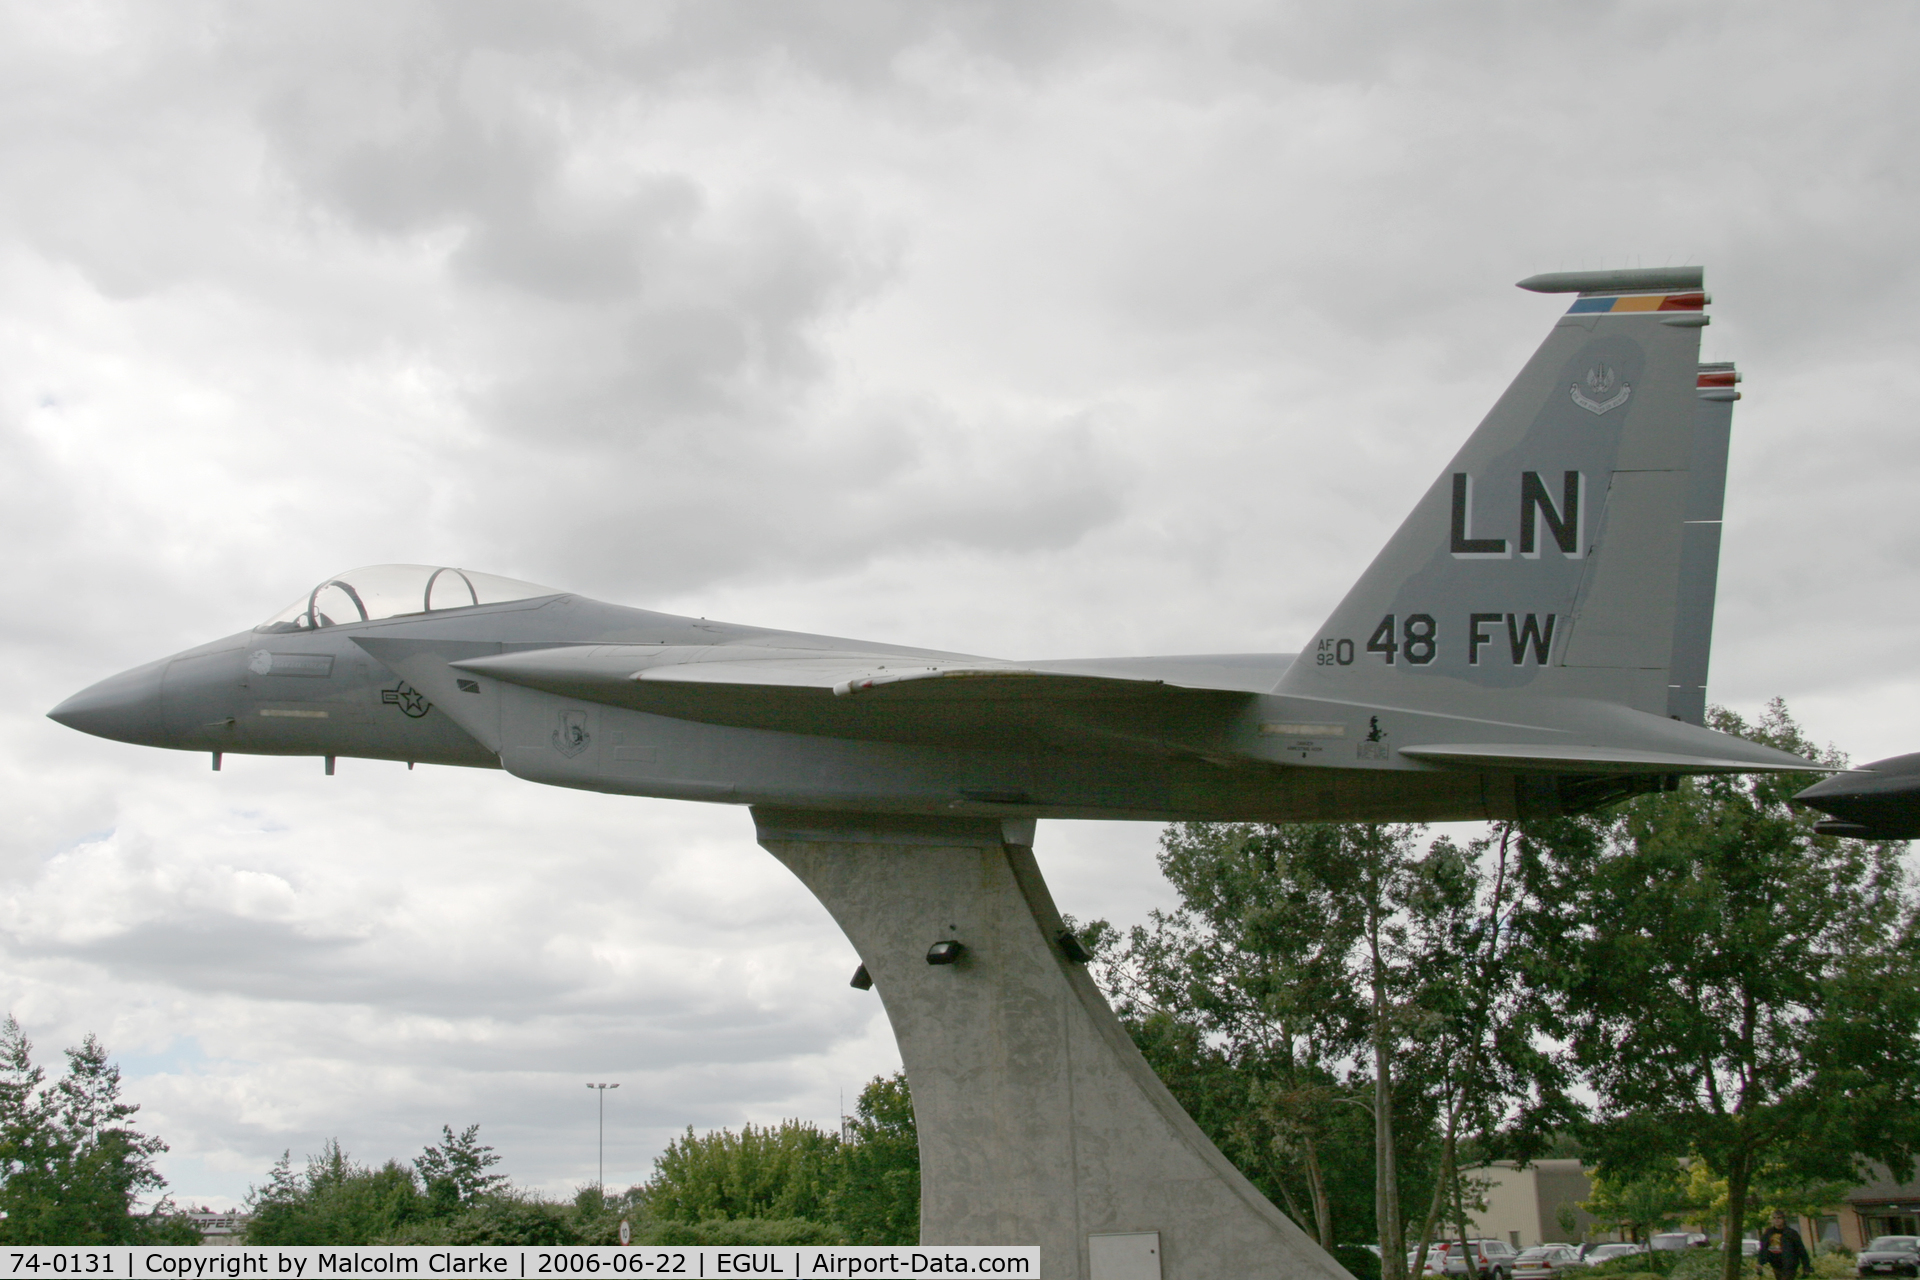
1602	389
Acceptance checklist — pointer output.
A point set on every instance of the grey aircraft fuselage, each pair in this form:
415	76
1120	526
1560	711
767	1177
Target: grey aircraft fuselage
1143	754
1533	640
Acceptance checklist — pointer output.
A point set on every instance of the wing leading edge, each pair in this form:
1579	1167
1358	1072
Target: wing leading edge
627	674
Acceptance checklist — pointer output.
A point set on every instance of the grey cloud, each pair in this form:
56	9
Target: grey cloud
462	150
857	43
212	954
649	521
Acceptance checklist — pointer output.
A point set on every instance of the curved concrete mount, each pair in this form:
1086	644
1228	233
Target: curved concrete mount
1040	1123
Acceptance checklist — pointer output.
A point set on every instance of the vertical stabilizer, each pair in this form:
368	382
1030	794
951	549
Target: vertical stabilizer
1700	544
1569	548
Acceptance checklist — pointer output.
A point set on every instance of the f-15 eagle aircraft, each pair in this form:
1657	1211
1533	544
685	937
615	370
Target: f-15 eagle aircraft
1879	800
1533	640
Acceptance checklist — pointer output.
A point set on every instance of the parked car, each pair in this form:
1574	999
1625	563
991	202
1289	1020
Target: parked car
1492	1259
1544	1261
1667	1241
1889	1256
1600	1253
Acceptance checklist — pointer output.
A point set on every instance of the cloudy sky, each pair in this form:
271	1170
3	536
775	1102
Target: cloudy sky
1035	330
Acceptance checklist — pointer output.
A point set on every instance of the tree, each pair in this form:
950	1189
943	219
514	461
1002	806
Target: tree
1731	984
877	1199
1470	1003
1238	1000
1283	998
1245	1002
455	1172
71	1166
337	1201
1644	1201
784	1171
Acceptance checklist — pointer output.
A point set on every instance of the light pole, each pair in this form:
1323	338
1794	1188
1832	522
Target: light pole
602	1090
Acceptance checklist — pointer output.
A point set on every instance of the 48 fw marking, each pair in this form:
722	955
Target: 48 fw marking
1415	639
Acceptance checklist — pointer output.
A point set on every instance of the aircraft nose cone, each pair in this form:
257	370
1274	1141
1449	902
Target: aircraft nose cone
1878	801
125	707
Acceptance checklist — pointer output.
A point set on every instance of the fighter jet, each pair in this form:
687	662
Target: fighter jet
1533	640
1877	801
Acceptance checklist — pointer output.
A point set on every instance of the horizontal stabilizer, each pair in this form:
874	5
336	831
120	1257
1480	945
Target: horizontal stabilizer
1566	757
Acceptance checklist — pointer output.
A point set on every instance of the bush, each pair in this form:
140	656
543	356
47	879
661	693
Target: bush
864	1181
1361	1262
742	1231
163	1227
1833	1265
1700	1264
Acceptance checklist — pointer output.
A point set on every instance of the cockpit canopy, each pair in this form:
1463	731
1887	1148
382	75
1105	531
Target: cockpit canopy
393	590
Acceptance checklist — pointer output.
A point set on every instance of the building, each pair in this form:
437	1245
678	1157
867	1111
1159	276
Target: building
219	1228
1524	1207
1524	1204
1877	1207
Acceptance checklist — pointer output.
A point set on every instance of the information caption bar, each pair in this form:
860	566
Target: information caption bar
321	1262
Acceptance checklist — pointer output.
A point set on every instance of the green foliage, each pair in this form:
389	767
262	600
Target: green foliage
1695	1264
446	1197
163	1226
504	1216
70	1164
788	1184
1640	1203
1330	1000
1773	1185
335	1202
1361	1262
1729	984
783	1171
1279	966
876	1199
456	1170
864	1189
744	1231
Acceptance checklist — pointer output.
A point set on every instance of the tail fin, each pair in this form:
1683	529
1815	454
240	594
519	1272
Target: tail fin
1570	547
1700	544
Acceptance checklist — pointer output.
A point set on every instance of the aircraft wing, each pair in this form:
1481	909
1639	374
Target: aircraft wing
1129	706
629	675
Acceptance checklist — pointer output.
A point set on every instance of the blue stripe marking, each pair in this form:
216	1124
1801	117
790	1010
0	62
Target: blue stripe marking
1590	304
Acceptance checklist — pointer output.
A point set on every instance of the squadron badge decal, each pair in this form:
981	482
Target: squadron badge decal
1604	390
571	737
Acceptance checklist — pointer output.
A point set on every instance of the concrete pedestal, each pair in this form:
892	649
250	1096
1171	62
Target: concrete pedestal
1039	1121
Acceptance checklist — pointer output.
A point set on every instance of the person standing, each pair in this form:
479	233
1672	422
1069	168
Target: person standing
1782	1249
